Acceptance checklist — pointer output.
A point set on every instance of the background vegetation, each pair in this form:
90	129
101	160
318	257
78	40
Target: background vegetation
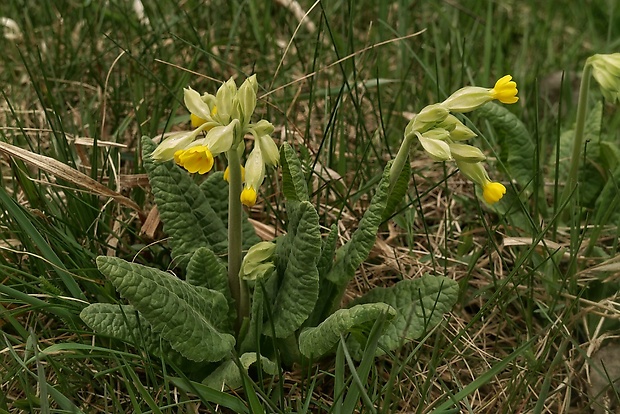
82	82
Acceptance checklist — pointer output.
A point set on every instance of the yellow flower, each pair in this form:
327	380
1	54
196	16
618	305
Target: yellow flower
196	159
248	196
196	120
505	90
227	174
493	192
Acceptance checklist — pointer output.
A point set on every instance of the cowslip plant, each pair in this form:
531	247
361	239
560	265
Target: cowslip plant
282	301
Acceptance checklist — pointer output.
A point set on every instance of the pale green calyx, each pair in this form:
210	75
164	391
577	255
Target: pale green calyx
246	97
438	150
258	262
427	119
467	153
220	138
606	71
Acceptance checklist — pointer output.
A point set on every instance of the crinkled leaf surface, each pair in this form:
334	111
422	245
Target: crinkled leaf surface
188	317
228	373
294	184
188	218
316	342
420	305
125	323
207	270
517	145
215	189
350	256
299	283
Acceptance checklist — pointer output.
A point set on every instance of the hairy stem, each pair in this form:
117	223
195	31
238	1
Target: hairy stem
401	158
238	288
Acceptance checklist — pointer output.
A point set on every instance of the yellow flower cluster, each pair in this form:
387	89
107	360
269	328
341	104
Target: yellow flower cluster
441	134
220	122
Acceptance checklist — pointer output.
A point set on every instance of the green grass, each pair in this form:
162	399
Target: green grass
528	312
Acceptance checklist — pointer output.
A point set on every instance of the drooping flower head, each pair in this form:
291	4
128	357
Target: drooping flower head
606	71
220	123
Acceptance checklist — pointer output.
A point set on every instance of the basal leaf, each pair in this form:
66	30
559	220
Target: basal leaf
328	249
517	145
350	256
188	317
185	211
125	323
316	342
420	305
215	189
299	284
207	270
294	184
228	374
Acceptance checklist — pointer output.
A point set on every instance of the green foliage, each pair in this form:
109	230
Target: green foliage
294	185
315	342
125	323
350	256
517	147
188	217
191	318
298	254
229	373
420	305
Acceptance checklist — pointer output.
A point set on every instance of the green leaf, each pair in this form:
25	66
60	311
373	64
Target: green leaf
299	285
350	256
125	323
420	305
518	150
205	269
608	200
229	373
209	395
316	342
398	191
188	317
184	209
215	189
328	249
293	180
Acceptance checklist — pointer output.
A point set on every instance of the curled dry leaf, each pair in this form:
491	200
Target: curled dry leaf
67	173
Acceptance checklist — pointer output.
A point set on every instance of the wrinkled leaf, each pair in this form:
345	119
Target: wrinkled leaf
228	374
518	149
186	213
188	317
125	323
350	256
206	270
299	285
420	305
315	342
294	184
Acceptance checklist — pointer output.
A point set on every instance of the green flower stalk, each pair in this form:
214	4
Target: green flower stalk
220	123
606	71
441	134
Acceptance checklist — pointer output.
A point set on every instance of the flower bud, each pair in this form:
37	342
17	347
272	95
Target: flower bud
269	150
606	71
438	150
467	153
257	262
427	118
225	100
196	105
247	98
220	138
